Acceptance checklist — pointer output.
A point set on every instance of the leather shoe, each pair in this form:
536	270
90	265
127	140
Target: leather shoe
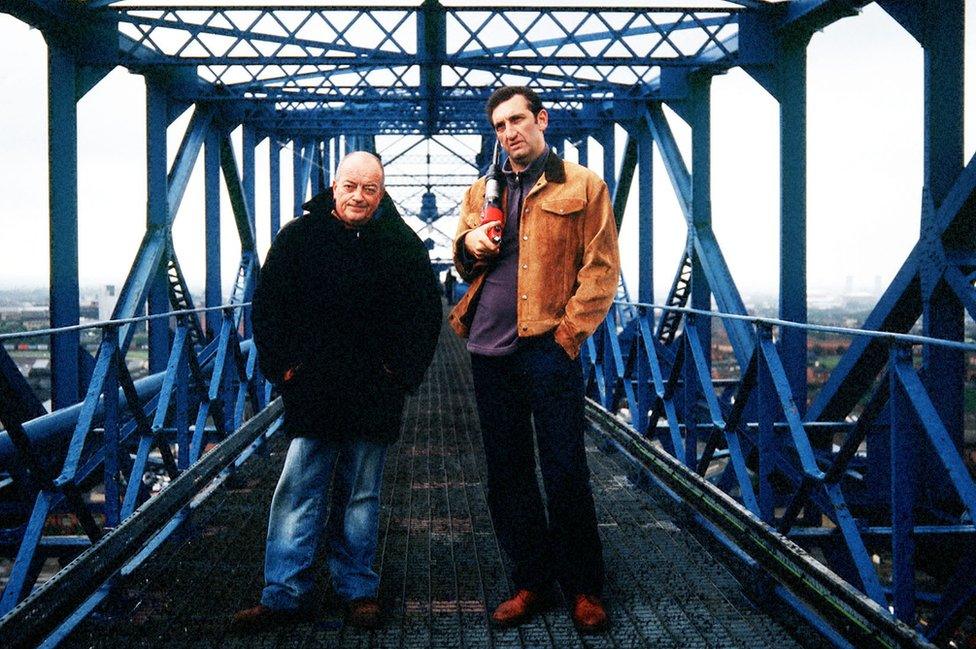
363	613
519	608
261	617
589	614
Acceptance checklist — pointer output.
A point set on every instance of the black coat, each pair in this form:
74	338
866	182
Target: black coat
356	311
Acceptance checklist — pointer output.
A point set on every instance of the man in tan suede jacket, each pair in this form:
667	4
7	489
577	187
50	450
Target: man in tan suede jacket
534	298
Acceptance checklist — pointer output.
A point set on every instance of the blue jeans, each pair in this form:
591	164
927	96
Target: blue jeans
298	516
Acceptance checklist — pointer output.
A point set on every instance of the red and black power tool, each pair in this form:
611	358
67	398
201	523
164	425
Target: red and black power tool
492	211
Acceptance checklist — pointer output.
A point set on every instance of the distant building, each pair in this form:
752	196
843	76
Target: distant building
107	298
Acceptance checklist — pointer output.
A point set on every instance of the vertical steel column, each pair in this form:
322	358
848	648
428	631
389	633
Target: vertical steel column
942	314
249	143
689	396
431	51
905	441
298	182
791	87
628	166
700	87
318	163
110	427
645	193
768	407
63	202
211	179
327	163
607	141
157	217
274	167
583	151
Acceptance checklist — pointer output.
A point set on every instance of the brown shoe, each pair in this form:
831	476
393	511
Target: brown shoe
363	613
519	608
589	615
261	618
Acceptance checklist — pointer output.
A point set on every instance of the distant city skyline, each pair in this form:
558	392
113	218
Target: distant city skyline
864	170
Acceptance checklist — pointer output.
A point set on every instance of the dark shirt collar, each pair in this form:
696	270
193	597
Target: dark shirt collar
531	173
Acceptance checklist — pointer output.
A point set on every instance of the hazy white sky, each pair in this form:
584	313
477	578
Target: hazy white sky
864	169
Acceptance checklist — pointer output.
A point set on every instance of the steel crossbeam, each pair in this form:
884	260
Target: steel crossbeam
331	36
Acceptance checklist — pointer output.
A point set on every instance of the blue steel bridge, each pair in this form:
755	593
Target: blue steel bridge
738	508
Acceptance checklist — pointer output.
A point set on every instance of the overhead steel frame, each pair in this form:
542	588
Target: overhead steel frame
427	70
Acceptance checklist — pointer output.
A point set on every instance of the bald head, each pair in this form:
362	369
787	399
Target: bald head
360	160
358	187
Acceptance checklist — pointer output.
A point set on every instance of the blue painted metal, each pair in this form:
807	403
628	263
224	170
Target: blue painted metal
274	185
297	181
703	246
110	428
330	160
20	398
212	217
166	399
249	142
583	151
698	108
157	217
904	487
791	456
942	312
769	447
316	168
427	74
645	189
625	176
791	86
607	139
63	182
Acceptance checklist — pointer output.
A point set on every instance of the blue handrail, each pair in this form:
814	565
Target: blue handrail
33	333
776	322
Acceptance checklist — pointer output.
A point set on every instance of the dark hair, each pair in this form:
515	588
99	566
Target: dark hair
505	93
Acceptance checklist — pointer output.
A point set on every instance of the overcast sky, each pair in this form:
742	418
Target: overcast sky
864	169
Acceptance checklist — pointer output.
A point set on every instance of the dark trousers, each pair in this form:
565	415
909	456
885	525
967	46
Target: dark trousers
539	382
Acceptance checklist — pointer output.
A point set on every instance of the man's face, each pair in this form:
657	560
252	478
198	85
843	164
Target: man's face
520	133
358	189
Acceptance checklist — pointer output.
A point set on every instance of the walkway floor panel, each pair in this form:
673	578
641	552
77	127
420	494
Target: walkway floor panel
441	566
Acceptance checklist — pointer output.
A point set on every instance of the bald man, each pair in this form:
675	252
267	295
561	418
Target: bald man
346	316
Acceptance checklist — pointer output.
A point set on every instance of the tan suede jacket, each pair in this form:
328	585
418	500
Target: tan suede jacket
568	260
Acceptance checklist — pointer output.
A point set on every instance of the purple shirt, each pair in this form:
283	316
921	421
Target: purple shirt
494	328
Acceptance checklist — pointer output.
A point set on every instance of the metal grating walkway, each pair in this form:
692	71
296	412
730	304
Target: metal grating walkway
440	563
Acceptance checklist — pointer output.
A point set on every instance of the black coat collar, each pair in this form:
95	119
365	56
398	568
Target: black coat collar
555	169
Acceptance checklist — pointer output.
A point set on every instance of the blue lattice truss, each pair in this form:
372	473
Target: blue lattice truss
871	472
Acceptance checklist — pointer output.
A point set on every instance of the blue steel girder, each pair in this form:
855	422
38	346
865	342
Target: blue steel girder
901	305
152	250
266	54
604	36
263	54
703	242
